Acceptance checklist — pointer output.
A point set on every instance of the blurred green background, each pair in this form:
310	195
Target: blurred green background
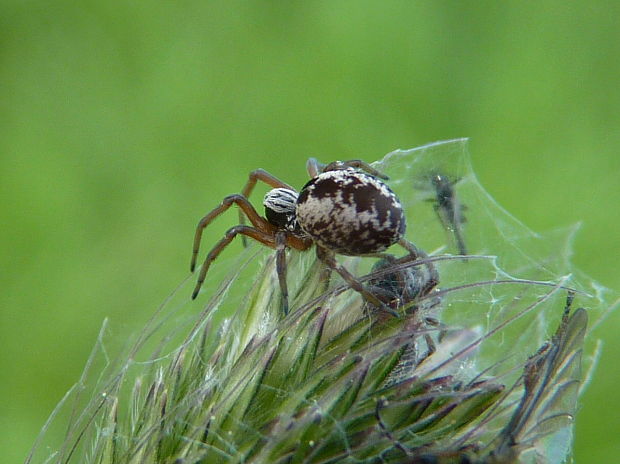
122	122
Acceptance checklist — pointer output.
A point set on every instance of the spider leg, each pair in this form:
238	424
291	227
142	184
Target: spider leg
246	207
314	166
362	165
267	178
281	267
263	237
329	259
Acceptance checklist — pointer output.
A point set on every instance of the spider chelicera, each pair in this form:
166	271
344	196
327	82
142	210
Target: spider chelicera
344	209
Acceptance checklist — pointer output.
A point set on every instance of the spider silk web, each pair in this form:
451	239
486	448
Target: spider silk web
502	300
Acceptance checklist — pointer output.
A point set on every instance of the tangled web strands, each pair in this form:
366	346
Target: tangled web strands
485	368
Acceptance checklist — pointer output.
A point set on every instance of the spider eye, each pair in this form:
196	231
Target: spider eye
280	206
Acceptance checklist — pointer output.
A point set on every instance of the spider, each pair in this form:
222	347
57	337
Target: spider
345	209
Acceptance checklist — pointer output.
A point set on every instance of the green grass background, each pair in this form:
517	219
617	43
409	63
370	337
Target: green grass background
122	122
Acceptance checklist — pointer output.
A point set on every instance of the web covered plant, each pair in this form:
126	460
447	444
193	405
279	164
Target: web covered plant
475	352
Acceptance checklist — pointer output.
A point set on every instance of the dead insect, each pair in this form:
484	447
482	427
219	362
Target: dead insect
446	204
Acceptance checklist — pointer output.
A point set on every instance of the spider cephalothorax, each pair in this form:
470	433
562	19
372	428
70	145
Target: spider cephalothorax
344	209
280	205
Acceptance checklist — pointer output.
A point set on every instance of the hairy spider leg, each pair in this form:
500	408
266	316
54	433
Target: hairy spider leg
263	232
259	235
245	207
278	241
267	178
